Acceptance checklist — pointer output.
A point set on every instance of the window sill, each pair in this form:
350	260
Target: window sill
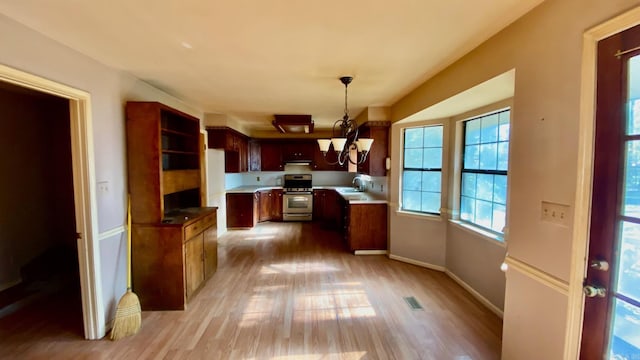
415	215
481	233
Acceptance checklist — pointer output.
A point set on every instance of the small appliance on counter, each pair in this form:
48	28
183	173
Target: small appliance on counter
297	200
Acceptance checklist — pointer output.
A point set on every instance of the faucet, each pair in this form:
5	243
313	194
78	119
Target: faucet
359	187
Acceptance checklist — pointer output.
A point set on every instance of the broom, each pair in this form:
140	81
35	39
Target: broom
128	315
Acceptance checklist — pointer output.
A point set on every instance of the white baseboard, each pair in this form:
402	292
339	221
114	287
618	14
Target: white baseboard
418	263
10	284
370	252
455	278
476	294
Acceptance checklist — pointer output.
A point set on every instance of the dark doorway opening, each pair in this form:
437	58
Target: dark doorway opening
39	274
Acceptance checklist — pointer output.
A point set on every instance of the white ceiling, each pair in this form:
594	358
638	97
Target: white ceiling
251	59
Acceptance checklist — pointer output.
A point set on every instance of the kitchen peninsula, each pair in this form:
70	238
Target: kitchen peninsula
360	216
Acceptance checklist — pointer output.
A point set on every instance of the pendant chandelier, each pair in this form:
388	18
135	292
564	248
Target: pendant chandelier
345	141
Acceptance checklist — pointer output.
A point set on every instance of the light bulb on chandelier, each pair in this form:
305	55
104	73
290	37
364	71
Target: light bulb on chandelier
345	139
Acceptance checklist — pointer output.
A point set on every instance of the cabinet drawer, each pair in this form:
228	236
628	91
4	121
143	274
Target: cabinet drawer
199	226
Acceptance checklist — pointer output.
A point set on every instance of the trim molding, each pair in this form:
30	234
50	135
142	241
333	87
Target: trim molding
418	263
496	310
111	233
538	275
83	166
370	252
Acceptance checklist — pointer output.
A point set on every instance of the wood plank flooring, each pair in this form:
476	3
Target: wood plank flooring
284	291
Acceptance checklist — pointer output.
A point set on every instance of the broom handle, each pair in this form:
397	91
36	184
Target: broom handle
128	242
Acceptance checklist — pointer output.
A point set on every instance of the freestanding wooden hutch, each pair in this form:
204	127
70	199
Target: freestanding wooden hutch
174	240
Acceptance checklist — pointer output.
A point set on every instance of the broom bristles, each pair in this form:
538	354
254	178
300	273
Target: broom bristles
128	316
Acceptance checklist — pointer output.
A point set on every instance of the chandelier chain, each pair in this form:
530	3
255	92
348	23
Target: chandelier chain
346	109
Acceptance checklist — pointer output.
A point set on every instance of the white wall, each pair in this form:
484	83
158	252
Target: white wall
216	186
34	53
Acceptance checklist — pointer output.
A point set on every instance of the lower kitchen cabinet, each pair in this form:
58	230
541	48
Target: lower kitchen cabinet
276	205
266	205
245	210
172	260
242	210
326	208
210	242
366	226
194	267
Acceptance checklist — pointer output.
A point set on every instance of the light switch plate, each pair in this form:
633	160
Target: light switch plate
103	187
555	213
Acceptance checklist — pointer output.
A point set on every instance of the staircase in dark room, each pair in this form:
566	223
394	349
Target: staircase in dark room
53	273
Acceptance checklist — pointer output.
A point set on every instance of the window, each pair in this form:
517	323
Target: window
422	169
483	193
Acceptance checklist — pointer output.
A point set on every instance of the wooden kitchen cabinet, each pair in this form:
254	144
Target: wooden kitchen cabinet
194	266
276	209
163	160
366	226
326	208
298	151
255	163
320	163
266	205
235	146
375	165
245	210
270	205
271	156
210	245
242	210
170	259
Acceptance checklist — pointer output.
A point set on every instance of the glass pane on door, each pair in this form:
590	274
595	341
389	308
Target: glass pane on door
625	337
624	341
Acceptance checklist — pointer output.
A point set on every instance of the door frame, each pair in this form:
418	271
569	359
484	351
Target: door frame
82	158
584	182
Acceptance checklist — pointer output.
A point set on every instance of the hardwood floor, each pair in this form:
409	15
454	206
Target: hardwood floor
288	291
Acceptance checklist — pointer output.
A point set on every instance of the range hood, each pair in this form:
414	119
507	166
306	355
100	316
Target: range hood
298	162
293	124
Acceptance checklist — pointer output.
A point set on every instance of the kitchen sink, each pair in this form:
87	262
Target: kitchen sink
356	197
349	190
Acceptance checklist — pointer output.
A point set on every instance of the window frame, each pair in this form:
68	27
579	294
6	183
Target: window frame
498	235
441	170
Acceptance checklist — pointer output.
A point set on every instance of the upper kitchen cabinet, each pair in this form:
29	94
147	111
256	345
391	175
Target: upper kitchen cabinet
322	163
298	151
163	159
235	146
255	161
375	165
271	156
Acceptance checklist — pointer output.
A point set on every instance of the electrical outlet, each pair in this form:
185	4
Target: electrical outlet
555	213
258	178
381	188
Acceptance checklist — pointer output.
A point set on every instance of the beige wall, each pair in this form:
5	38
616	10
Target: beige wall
544	48
421	239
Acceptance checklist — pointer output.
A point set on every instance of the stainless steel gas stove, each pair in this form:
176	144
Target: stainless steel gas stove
297	201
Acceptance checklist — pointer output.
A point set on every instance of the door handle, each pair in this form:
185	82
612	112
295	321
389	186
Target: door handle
592	291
